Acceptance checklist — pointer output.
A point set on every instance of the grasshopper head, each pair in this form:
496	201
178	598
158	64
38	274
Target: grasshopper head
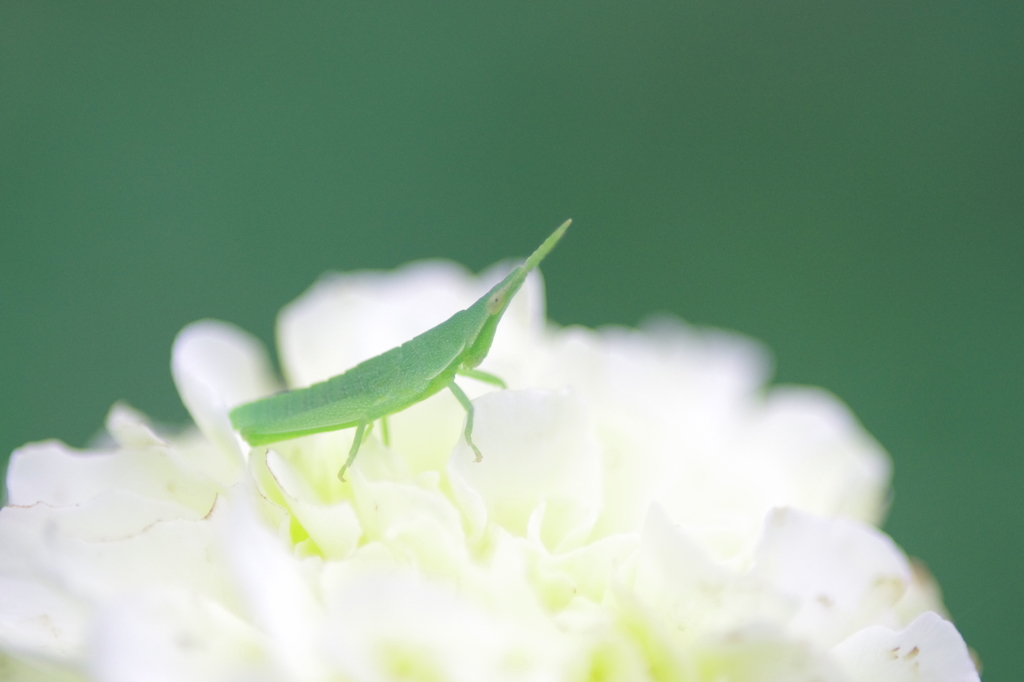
497	299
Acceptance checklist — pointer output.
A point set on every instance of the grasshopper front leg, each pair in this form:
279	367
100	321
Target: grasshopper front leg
485	377
468	406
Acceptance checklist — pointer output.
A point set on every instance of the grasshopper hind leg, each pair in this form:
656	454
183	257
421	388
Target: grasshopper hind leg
356	442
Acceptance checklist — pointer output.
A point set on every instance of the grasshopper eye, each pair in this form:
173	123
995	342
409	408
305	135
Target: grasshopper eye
496	302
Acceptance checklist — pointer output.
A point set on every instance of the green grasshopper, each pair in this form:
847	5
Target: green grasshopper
396	379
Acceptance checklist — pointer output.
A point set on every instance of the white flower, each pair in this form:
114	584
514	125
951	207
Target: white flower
645	509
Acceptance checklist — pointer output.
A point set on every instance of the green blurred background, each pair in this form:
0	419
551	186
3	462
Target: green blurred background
840	180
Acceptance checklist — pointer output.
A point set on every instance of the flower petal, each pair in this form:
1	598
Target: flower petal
414	521
809	452
41	619
843	574
538	447
333	527
696	595
217	366
174	553
277	592
929	648
51	473
761	654
171	635
393	627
